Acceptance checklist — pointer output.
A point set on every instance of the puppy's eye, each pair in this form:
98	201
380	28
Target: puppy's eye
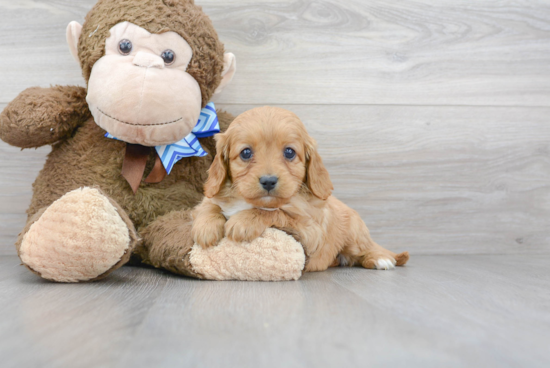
290	153
168	56
125	47
246	154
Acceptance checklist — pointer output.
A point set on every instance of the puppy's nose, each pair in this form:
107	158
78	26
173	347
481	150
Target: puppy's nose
269	182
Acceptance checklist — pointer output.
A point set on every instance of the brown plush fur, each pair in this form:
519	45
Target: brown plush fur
89	159
164	246
157	16
82	156
300	203
40	116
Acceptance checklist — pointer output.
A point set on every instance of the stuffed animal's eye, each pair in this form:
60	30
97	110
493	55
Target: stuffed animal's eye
168	56
246	154
290	153
125	47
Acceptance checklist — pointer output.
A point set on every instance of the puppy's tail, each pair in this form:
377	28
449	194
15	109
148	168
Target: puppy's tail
401	258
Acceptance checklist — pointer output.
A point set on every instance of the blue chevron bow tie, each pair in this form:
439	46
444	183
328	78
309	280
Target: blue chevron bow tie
189	146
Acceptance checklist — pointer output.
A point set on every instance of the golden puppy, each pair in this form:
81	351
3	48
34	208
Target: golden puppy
267	173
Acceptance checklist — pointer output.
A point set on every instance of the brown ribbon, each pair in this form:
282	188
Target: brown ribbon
158	173
133	167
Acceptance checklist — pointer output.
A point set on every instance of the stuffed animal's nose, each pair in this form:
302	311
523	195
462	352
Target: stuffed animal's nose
148	60
269	182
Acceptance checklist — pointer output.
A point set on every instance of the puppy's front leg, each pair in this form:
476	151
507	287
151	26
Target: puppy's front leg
208	224
247	225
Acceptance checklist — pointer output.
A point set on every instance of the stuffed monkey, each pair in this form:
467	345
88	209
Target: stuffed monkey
130	153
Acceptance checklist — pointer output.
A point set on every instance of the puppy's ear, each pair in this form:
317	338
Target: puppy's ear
217	174
317	176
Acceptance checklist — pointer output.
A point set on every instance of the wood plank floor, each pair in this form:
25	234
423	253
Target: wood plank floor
439	311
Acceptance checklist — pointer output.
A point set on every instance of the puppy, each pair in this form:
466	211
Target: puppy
267	173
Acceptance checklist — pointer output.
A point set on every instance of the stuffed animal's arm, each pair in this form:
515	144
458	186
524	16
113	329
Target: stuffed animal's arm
41	116
167	243
274	256
259	254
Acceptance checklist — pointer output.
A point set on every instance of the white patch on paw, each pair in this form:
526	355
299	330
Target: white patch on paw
385	264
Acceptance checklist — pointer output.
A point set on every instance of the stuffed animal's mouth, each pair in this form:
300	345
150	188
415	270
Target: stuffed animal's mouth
155	134
133	124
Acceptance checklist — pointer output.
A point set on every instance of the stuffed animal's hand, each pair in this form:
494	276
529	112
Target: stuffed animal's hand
274	256
245	226
41	116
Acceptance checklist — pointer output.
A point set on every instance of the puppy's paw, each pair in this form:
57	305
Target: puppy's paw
379	262
207	235
385	263
241	231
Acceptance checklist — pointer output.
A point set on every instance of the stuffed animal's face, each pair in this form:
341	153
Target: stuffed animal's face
150	68
140	91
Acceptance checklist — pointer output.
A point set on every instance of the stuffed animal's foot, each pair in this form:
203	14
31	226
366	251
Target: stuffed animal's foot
275	256
82	236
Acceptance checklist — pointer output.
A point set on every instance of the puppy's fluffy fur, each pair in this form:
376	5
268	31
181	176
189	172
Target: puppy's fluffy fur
238	206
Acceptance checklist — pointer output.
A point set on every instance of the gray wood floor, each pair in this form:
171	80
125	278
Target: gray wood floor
433	120
440	311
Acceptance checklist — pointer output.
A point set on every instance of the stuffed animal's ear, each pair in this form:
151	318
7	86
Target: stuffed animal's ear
229	69
317	176
74	30
217	174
